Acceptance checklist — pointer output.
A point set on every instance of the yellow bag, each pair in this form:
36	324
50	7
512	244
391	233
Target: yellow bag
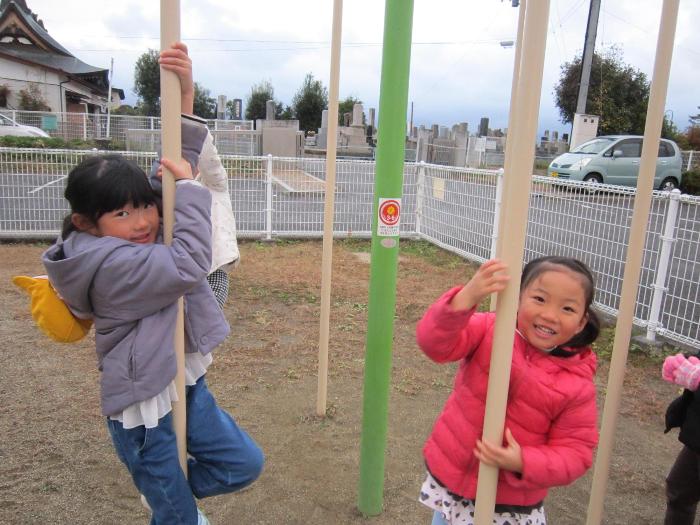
50	312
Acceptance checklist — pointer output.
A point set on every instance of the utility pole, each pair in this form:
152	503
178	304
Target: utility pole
109	93
587	60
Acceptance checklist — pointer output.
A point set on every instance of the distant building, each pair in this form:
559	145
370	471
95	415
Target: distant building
31	58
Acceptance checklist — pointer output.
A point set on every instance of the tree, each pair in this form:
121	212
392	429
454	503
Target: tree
32	99
287	113
346	106
694	119
617	92
147	83
126	109
204	103
669	130
309	102
255	106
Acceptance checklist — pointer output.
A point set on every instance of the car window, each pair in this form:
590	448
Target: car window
593	146
630	148
665	149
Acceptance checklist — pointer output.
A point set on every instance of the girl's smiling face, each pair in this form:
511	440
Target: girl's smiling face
137	224
552	309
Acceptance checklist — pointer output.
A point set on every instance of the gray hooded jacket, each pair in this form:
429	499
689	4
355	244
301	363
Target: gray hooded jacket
131	291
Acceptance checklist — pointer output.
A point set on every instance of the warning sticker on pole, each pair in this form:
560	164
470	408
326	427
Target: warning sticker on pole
389	217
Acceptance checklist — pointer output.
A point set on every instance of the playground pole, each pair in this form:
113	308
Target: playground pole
171	140
388	185
517	194
329	206
630	281
512	133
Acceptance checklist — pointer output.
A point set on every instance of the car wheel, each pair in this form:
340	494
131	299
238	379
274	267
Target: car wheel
669	184
593	178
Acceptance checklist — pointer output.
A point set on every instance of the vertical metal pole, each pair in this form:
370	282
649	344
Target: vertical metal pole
328	211
690	160
512	133
630	282
268	192
497	212
172	149
393	101
109	93
85	124
420	196
517	191
659	287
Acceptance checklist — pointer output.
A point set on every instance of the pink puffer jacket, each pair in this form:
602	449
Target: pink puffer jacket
551	408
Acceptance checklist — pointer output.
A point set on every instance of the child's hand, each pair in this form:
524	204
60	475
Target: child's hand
670	365
175	59
491	277
180	170
509	457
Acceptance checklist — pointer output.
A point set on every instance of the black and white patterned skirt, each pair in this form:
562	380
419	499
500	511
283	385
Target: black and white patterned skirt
218	280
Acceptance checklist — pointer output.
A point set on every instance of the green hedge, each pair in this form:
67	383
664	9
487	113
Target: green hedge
9	141
690	183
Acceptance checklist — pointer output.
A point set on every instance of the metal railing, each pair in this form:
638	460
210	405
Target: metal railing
87	126
453	208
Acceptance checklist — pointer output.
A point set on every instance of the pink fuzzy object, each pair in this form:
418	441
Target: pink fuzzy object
687	375
670	365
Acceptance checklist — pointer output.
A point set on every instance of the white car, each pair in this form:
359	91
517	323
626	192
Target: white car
10	127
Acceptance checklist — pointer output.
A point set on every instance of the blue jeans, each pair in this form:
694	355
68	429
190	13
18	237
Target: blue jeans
223	458
438	519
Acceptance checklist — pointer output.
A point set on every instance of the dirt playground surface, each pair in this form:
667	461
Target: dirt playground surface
57	465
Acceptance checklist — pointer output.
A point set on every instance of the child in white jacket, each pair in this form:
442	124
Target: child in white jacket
225	254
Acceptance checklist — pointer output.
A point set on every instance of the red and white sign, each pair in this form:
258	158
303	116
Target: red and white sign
389	211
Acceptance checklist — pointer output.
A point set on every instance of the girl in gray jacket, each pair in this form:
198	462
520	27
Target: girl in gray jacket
110	265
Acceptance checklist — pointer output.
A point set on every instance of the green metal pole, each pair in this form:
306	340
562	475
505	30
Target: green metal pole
388	184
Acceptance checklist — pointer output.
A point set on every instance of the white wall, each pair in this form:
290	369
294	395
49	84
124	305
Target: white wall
17	76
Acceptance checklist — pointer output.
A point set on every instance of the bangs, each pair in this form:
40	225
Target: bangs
118	187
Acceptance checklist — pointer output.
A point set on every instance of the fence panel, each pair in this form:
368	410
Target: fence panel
453	208
85	126
457	209
680	313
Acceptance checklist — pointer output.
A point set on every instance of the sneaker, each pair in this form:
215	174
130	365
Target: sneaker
201	518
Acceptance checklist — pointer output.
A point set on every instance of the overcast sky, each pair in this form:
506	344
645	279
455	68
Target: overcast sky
459	70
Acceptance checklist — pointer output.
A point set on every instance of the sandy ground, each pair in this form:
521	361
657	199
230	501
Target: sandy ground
57	465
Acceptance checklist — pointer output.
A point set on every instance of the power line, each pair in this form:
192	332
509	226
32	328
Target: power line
296	48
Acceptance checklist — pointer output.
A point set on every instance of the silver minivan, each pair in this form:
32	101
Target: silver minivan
614	159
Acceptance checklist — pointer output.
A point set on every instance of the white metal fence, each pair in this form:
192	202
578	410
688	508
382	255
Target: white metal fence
84	126
450	207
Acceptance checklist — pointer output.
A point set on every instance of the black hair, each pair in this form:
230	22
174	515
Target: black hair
537	267
102	183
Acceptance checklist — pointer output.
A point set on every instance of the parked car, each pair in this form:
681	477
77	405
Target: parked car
10	127
614	159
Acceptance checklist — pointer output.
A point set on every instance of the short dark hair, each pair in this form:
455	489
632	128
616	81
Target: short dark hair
102	183
537	267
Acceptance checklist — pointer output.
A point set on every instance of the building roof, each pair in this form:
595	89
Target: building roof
19	24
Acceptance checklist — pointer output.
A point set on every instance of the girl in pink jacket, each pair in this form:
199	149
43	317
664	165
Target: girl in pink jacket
550	428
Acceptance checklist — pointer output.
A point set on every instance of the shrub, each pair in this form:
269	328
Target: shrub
10	141
690	182
32	99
